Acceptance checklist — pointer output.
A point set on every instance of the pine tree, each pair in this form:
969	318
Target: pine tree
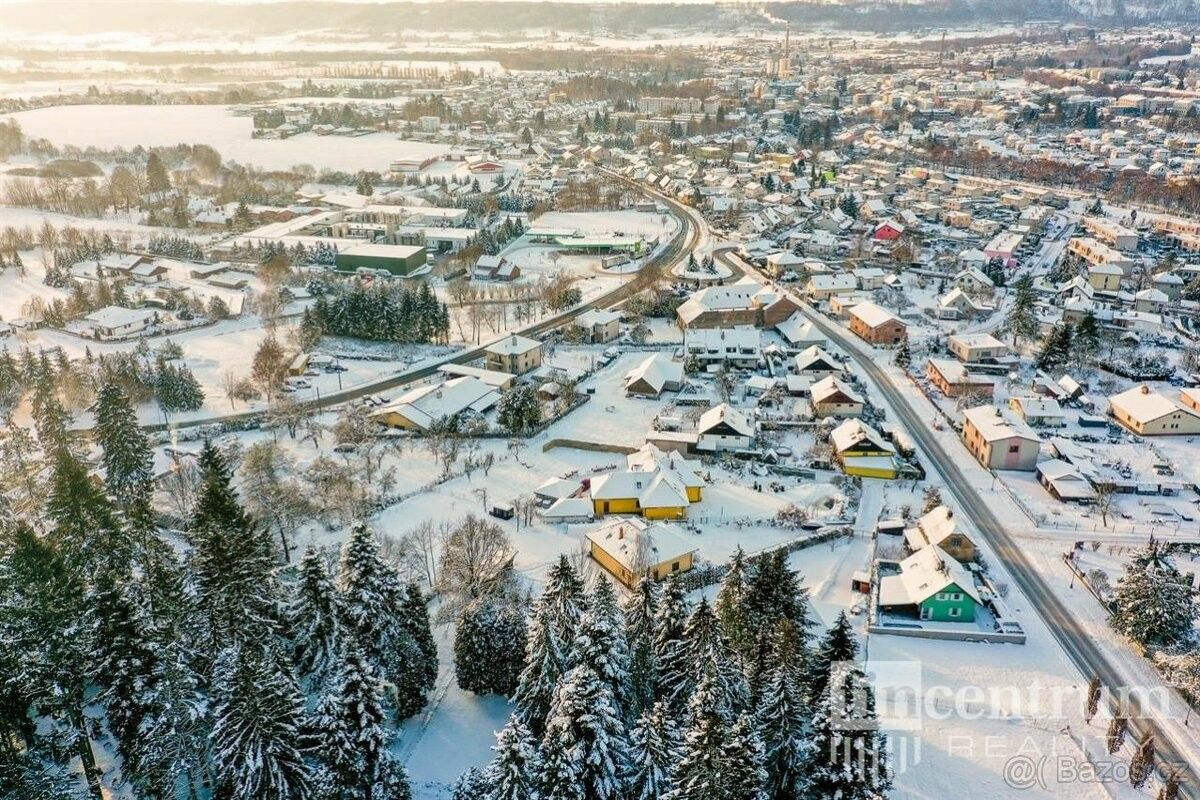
370	591
731	606
640	610
414	613
1022	321
375	613
488	641
1086	339
350	733
584	749
903	355
82	516
782	714
41	612
173	747
472	785
701	771
257	715
563	599
847	757
775	593
1056	348
232	564
838	646
670	653
124	660
1153	603
313	618
513	774
49	417
600	643
127	460
706	652
653	751
544	665
1142	764
745	776
1115	736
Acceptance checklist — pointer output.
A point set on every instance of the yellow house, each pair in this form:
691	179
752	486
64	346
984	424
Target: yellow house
656	494
632	548
862	451
1148	413
650	458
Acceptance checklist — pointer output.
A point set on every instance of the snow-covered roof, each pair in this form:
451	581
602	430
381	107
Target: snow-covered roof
798	329
1142	404
994	426
854	432
922	575
829	386
636	544
728	415
425	405
873	315
514	345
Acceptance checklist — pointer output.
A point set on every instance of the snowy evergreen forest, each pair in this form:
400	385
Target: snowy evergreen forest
197	663
659	697
387	312
210	668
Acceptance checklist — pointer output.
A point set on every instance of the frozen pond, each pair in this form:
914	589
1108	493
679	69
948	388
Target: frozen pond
109	126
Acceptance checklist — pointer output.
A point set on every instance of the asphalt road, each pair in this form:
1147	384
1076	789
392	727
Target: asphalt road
683	242
1078	645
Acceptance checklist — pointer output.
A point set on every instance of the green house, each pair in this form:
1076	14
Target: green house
932	586
396	259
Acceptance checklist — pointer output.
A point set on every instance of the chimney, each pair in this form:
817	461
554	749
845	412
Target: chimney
1145	389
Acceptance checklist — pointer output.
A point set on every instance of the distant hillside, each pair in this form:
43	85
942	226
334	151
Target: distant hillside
505	16
884	15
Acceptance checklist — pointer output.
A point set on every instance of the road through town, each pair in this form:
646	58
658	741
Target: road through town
1173	746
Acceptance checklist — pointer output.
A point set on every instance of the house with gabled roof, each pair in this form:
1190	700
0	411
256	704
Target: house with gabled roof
833	398
1148	413
656	374
931	586
816	361
862	451
940	527
630	549
723	427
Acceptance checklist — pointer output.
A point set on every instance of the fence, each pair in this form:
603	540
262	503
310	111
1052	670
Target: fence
713	573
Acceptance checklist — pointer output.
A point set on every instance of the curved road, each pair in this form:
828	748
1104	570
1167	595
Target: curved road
689	236
1078	645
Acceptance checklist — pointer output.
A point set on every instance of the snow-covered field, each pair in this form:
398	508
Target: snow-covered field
160	126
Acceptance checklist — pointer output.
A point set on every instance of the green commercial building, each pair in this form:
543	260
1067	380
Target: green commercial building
395	259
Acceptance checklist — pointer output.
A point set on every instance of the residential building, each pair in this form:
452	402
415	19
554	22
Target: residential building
876	325
975	348
862	451
1148	413
832	398
931	586
514	354
599	325
630	549
735	347
421	408
723	427
940	527
998	441
953	379
655	375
